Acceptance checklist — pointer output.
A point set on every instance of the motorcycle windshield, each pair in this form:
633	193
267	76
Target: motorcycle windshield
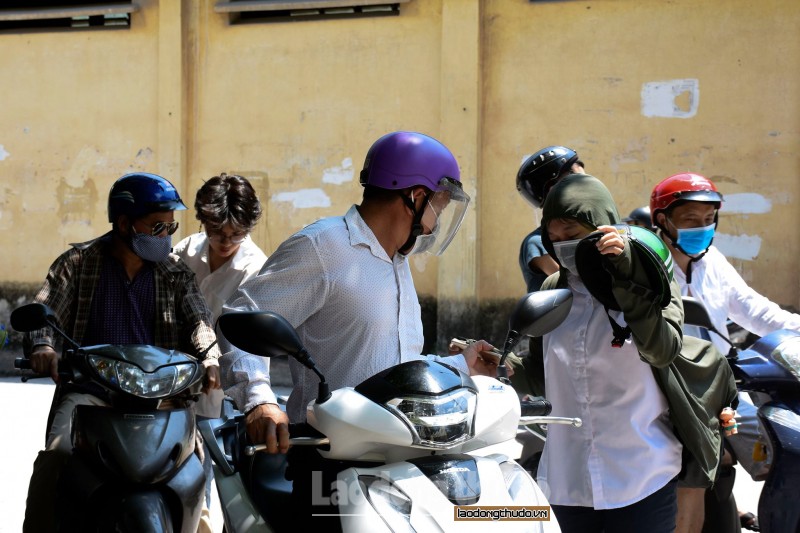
787	354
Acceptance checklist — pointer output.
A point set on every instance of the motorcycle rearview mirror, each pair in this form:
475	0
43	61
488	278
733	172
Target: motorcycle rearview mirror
535	314
260	332
268	334
33	316
695	314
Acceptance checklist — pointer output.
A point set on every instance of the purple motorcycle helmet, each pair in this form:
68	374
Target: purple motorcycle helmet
405	159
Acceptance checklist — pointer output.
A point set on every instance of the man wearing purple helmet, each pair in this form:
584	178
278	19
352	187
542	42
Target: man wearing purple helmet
345	284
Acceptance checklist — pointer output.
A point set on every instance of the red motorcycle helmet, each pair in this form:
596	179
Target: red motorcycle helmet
683	187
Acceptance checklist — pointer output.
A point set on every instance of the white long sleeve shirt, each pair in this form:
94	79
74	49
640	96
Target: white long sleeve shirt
626	449
217	287
723	292
355	309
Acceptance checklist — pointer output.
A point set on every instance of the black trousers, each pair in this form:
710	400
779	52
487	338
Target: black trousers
654	514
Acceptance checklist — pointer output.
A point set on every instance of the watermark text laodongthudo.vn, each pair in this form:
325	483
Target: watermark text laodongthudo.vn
484	513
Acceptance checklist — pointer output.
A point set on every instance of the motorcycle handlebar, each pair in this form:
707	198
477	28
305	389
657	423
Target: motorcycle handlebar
535	407
528	420
301	434
294	441
22	363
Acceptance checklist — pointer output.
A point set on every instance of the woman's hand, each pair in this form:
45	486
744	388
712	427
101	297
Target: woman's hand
612	242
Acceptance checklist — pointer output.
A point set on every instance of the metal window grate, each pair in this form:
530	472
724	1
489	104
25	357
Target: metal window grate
48	15
254	11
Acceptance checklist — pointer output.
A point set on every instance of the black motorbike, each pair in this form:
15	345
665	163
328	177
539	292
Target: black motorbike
133	466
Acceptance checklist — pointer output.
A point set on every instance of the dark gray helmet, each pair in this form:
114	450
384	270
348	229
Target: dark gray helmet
640	216
540	171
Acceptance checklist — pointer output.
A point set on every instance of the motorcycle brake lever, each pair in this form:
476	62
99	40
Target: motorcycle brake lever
294	441
527	420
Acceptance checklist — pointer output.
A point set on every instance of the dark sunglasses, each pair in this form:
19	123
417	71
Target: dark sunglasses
159	227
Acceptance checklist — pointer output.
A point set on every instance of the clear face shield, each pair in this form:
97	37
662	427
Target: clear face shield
442	217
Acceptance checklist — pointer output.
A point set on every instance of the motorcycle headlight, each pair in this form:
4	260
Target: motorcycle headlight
437	421
787	354
164	381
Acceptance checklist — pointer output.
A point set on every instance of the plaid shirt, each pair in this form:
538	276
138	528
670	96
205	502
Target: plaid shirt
182	317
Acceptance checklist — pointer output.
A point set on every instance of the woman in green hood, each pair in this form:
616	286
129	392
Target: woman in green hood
618	471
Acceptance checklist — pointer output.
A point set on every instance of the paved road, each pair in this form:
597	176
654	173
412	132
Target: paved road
23	415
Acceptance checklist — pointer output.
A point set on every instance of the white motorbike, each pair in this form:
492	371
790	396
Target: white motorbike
426	443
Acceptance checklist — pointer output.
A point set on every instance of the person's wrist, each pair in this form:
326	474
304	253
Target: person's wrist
210	362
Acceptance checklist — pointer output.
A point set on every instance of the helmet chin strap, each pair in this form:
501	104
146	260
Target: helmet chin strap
416	224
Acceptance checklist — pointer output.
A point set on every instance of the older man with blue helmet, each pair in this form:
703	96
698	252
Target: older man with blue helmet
124	287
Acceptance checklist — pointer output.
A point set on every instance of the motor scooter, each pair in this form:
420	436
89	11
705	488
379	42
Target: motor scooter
421	443
771	367
133	466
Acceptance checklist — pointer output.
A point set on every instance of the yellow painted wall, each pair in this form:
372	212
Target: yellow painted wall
294	106
573	72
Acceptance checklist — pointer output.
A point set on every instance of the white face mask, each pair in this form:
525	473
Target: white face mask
443	214
565	253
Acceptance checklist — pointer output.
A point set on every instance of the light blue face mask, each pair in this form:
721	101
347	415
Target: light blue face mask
695	241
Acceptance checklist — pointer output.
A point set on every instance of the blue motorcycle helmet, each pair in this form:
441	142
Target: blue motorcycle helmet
139	194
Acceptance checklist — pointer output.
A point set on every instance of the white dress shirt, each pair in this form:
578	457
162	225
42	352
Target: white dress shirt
723	292
355	309
626	448
216	287
219	285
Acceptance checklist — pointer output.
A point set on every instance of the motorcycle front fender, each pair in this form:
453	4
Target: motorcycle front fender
777	507
94	503
421	502
238	510
142	512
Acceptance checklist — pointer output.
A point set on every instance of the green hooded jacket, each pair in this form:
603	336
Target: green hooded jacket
693	375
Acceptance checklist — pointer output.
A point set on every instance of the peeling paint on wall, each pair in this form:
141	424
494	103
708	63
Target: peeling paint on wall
339	175
671	98
76	204
745	203
738	246
304	198
3	153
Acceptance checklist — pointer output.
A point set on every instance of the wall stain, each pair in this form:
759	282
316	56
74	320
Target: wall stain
76	204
